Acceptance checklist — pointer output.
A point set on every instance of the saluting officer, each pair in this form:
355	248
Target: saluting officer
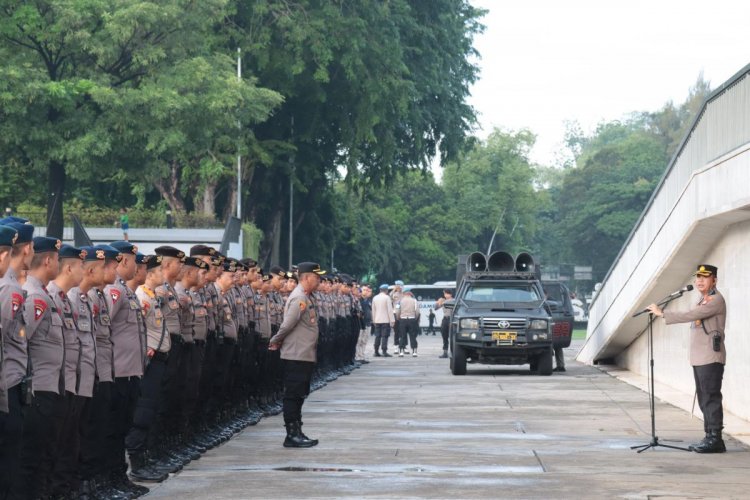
44	334
707	353
298	340
15	357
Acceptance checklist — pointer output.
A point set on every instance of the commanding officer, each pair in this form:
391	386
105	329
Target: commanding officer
129	351
46	361
298	339
15	368
707	353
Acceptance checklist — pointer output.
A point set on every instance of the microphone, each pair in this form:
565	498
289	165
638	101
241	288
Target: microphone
666	299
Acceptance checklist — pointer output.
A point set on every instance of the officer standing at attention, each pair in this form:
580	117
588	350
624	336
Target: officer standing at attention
14	355
396	294
445	324
129	351
8	237
382	320
707	353
46	359
298	339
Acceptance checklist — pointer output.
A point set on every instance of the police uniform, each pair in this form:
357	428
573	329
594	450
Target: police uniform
129	352
395	296
14	364
43	418
708	357
298	338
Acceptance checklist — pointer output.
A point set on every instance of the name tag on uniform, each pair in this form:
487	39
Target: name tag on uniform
134	304
313	316
68	320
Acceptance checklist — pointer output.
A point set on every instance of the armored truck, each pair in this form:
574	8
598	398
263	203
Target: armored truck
499	314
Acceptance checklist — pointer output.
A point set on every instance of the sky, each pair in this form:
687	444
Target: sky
545	62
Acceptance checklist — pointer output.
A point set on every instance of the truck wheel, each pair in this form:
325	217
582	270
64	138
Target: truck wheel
545	362
458	360
534	363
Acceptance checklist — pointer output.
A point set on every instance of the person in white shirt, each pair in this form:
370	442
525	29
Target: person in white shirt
382	320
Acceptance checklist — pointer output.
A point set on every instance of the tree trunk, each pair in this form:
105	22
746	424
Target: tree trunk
231	207
276	237
206	204
169	189
56	190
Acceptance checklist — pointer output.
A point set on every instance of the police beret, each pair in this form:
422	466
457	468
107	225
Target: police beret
125	247
92	253
7	220
217	261
197	250
249	262
195	262
229	266
707	270
278	271
384	286
8	236
310	267
152	261
266	277
25	231
43	244
398	282
111	253
168	251
71	252
346	279
138	258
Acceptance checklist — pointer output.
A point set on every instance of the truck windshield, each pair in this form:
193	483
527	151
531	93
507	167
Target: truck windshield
502	292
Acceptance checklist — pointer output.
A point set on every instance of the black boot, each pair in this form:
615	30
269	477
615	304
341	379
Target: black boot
445	354
294	437
141	472
299	424
712	444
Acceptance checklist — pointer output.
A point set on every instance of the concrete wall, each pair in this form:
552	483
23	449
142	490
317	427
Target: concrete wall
731	254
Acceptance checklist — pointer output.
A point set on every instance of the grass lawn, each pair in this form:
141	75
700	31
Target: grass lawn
579	334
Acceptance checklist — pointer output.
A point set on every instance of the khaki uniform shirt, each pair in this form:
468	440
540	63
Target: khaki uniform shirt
200	326
171	310
105	366
157	337
44	334
228	317
408	309
187	313
263	324
86	369
382	309
15	353
711	312
298	334
70	336
128	332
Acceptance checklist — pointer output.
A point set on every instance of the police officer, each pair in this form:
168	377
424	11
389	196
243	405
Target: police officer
158	344
129	351
395	296
44	334
15	357
298	338
445	324
707	353
8	237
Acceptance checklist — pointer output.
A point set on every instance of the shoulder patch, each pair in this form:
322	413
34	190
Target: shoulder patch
115	294
39	307
16	301
302	305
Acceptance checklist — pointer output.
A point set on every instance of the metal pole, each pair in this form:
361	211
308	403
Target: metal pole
239	158
291	202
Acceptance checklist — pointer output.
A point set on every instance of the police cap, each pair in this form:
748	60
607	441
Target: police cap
25	231
71	252
111	253
707	270
8	236
43	244
309	267
125	247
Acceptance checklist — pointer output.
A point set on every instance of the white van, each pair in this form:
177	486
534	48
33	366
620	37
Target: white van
426	296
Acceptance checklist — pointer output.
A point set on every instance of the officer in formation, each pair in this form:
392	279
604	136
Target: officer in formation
117	366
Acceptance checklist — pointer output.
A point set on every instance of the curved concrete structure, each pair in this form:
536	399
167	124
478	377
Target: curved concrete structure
700	212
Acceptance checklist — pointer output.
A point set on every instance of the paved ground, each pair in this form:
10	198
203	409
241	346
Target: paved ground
407	428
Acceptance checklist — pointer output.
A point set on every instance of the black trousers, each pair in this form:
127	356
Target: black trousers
194	363
444	327
297	377
382	332
411	327
11	439
124	398
147	406
708	380
65	471
41	431
171	417
397	333
96	432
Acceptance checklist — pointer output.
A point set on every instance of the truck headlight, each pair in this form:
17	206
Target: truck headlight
470	324
538	324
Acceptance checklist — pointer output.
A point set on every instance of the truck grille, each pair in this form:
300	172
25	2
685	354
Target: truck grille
504	323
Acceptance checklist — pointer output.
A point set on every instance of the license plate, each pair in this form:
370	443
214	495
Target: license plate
504	335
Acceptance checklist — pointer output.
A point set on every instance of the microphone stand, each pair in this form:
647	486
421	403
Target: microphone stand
654	439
